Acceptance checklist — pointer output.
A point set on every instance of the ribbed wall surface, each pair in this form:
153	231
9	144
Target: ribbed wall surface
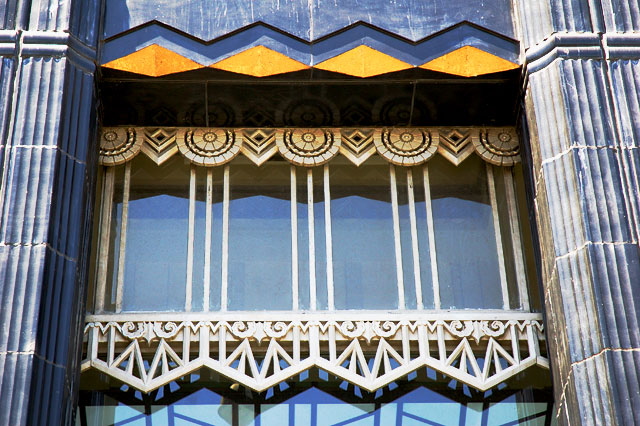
48	123
583	111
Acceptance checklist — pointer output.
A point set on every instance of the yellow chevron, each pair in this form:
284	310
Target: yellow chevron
469	61
363	61
259	61
154	61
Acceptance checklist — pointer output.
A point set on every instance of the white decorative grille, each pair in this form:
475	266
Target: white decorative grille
146	351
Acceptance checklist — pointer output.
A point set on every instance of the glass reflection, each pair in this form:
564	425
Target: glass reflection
362	232
157	227
468	269
313	406
260	238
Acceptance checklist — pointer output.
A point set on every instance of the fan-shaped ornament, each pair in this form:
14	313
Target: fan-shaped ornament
308	147
406	146
118	145
497	146
208	147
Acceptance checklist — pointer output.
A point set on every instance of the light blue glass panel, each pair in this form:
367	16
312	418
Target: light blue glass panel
197	302
114	240
260	238
363	241
317	407
468	269
321	246
156	250
303	238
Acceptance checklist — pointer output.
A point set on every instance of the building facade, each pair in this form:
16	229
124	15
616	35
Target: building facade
259	213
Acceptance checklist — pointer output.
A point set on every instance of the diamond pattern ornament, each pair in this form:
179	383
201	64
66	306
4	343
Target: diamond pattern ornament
357	144
258	144
159	144
455	145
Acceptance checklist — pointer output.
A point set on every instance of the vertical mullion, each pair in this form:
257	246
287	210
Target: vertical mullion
207	241
123	236
396	236
190	238
225	239
294	240
105	237
414	239
432	239
312	242
516	239
328	238
496	226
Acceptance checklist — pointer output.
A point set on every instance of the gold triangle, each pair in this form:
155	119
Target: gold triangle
259	61
469	61
363	61
154	61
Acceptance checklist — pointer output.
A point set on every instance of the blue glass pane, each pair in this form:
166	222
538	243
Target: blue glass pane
316	407
362	233
468	269
157	228
260	238
155	267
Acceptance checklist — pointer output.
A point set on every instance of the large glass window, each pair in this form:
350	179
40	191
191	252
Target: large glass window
328	405
242	237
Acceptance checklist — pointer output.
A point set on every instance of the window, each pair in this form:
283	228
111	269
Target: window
243	237
359	254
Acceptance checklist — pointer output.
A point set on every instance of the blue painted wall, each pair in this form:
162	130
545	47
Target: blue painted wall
309	19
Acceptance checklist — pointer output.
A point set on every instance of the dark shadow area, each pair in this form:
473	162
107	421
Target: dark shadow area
309	98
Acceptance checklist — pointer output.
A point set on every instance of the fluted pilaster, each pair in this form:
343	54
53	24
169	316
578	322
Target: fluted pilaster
47	129
582	109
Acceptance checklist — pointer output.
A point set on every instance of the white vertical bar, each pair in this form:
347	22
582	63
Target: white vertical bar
190	238
294	239
328	239
208	218
414	239
123	235
225	239
396	236
105	237
496	226
516	239
312	242
432	239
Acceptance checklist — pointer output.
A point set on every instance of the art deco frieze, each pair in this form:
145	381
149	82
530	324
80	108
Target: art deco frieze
403	146
147	352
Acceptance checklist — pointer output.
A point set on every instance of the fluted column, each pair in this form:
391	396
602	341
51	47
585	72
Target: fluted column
47	158
581	98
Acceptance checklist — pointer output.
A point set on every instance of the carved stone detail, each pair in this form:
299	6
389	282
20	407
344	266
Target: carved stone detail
159	144
118	145
147	354
258	144
308	147
208	147
406	146
357	144
455	145
498	146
